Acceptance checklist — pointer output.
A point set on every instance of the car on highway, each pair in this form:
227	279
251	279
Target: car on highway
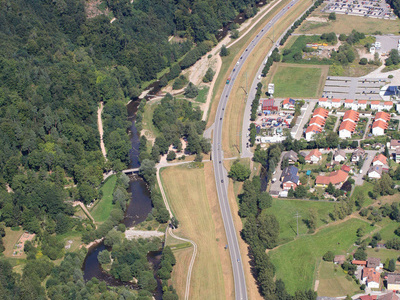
238	260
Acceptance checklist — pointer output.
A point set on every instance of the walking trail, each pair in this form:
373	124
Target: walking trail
100	126
75	203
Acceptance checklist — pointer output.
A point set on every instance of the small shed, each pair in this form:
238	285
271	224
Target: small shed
339	259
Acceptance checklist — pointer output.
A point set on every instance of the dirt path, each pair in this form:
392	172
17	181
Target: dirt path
131	234
100	126
75	203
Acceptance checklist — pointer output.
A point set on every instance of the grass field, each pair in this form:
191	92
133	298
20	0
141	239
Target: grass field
299	81
364	189
202	96
333	281
383	254
296	261
10	239
345	24
285	211
186	191
101	211
147	122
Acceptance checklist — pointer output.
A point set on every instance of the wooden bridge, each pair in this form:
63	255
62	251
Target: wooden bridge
130	171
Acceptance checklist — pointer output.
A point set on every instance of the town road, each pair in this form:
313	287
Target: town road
220	173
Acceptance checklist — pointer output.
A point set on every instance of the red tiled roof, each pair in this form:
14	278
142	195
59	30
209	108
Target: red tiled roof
382	115
313	152
382	158
349	101
368	297
362	101
359	262
335	100
313	128
323	99
317	120
352	115
380	124
347	125
321	111
388	103
375	102
371	274
334	178
345	168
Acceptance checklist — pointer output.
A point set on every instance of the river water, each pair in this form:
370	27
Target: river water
137	211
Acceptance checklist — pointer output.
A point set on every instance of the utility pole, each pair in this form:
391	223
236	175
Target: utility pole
297	216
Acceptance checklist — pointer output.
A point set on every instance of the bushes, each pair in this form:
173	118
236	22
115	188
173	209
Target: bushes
195	54
179	83
208	77
224	51
255	103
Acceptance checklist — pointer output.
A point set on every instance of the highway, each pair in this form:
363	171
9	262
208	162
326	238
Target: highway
221	178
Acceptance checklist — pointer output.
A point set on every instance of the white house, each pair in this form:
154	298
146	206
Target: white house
350	103
313	157
387	105
318	121
311	131
376	105
371	277
339	156
336	103
325	103
288	103
381	160
362	104
346	129
378	128
375	172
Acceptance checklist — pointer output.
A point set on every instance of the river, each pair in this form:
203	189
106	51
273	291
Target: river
137	211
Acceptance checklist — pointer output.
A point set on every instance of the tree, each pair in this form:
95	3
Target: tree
392	265
328	256
330	189
191	91
234	34
332	16
360	254
171	155
264	200
300	191
268	230
313	218
208	77
239	172
148	171
224	51
104	257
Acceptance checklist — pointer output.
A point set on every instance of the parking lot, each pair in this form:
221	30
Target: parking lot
387	43
373	9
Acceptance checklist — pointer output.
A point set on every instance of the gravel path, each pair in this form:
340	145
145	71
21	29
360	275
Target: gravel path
131	234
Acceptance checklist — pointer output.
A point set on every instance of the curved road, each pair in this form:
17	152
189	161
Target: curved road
221	178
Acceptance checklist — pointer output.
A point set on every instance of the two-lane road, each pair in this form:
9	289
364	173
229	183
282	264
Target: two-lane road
221	178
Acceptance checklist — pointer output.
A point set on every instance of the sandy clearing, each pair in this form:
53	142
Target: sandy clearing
131	234
100	127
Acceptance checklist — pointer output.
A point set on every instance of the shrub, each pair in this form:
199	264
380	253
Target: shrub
363	61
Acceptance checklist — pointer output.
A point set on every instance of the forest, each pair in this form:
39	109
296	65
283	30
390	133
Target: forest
56	65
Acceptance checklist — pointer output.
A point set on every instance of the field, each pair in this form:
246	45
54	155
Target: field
296	261
202	96
10	240
101	210
285	211
345	24
299	81
365	188
188	197
333	281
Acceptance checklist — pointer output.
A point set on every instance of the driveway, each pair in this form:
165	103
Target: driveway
306	110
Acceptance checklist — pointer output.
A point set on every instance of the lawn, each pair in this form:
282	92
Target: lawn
365	188
299	81
101	210
147	121
333	281
387	232
296	261
285	211
330	123
10	239
187	195
202	96
383	254
345	24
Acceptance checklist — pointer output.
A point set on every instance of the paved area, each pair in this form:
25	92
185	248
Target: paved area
362	88
306	111
373	9
131	234
388	42
276	186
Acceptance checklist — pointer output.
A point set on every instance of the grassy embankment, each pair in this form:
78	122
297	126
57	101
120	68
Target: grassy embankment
192	197
101	210
296	262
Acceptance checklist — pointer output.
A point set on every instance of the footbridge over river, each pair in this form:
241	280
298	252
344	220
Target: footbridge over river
131	171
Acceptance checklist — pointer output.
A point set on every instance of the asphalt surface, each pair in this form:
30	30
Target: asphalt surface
221	178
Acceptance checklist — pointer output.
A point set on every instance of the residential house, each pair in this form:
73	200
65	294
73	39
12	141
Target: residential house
313	157
311	131
374	262
291	156
362	263
393	282
339	259
346	168
268	105
346	129
350	103
389	296
375	172
394	144
351	115
336	178
336	103
323	113
339	155
289	178
317	121
362	104
381	160
324	102
379	127
358	154
370	277
368	297
288	103
382	116
397	154
376	105
387	105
